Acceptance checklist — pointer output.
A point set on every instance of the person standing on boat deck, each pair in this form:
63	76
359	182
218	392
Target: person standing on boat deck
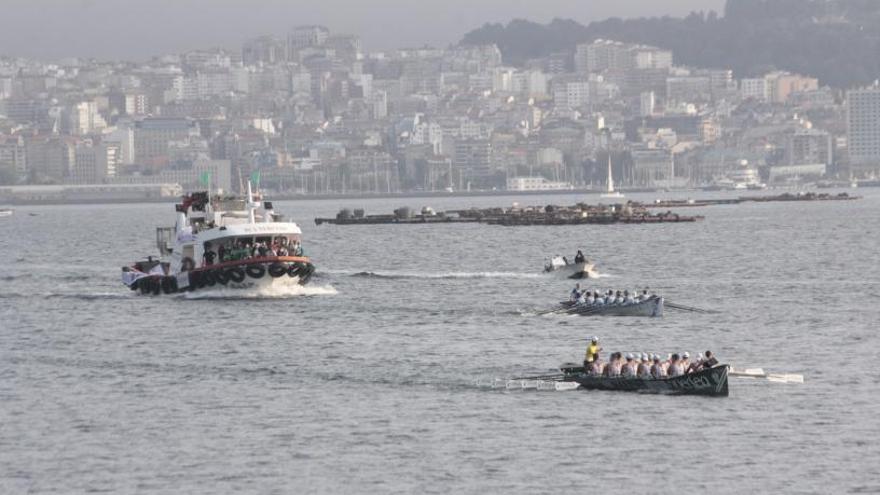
575	293
696	366
592	353
657	370
208	257
579	257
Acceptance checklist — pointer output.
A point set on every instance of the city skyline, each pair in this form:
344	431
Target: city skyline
128	30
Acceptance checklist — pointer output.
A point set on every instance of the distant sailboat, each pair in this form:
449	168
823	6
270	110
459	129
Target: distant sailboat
610	192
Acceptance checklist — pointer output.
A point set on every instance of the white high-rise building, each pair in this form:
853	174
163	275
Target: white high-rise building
83	118
647	103
863	127
755	88
571	94
305	36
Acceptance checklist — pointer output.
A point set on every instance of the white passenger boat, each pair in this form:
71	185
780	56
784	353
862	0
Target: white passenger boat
561	267
6	212
223	242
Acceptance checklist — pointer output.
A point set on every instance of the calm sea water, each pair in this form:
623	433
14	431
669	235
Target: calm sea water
370	380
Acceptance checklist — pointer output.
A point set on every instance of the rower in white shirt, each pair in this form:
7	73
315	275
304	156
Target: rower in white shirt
657	370
629	368
674	366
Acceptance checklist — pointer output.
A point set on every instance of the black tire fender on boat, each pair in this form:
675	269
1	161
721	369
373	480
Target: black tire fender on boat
294	269
196	280
255	271
306	274
277	269
209	278
235	275
169	285
220	276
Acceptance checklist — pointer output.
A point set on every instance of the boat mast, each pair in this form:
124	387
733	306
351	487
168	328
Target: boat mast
251	204
610	178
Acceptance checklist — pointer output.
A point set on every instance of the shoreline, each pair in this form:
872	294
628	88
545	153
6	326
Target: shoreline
397	195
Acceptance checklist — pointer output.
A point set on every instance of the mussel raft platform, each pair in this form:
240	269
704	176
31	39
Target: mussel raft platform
784	197
579	214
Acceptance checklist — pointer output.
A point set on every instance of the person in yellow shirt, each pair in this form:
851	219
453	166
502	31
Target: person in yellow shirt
592	353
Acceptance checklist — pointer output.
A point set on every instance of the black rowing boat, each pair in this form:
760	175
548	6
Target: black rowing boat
712	382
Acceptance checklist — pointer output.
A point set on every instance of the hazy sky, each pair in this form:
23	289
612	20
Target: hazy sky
137	29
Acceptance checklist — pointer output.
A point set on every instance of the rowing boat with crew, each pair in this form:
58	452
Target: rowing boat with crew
651	307
709	381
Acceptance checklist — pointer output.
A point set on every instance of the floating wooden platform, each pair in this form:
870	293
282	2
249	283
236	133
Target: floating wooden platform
580	214
809	196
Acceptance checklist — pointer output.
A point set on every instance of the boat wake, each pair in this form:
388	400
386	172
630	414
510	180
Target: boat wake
604	275
394	275
273	292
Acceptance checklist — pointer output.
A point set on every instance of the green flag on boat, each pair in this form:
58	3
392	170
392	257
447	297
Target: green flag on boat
205	178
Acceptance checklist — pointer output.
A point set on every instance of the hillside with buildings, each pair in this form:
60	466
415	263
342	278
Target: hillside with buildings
313	112
835	41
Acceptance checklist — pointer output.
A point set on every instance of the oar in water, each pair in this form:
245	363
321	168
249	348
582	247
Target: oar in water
785	378
558	309
770	377
547	311
691	309
555	376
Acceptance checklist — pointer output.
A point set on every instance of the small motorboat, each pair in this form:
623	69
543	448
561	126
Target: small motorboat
709	382
6	212
560	266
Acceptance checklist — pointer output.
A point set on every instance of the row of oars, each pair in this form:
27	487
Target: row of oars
588	310
688	309
532	383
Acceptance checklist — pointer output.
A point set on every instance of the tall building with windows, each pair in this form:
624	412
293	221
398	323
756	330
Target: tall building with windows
863	128
304	37
263	50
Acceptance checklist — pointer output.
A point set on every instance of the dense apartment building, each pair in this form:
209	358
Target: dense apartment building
863	127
